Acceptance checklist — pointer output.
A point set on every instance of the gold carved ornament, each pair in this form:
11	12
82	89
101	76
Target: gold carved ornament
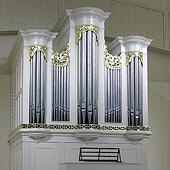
80	127
61	59
83	28
33	49
130	55
112	62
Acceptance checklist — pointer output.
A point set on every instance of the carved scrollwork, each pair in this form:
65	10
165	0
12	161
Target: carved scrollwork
62	59
112	62
84	28
130	55
33	49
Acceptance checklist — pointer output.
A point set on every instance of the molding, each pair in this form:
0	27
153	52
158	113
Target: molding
89	12
16	50
62	20
40	37
80	127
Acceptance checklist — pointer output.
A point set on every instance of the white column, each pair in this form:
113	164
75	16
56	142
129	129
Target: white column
124	88
48	102
145	82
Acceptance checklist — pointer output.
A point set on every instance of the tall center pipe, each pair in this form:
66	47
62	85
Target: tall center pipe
87	78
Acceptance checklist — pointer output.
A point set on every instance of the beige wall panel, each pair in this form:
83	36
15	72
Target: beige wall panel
159	66
24	14
165	125
4	121
127	19
155	120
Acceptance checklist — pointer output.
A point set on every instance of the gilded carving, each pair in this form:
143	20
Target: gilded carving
80	127
87	126
61	59
112	62
33	49
130	55
83	28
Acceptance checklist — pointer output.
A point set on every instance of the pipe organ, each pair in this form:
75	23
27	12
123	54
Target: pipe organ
135	88
87	110
37	84
61	85
113	87
69	89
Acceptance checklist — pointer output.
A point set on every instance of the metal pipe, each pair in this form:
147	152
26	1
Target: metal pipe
84	46
30	93
106	93
38	86
89	77
62	93
132	97
129	93
34	89
140	94
79	81
114	95
68	92
65	93
120	97
42	87
53	93
111	96
57	93
95	84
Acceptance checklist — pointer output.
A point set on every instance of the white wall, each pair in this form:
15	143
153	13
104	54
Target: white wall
4	121
159	110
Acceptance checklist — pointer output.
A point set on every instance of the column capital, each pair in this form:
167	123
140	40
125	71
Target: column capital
37	37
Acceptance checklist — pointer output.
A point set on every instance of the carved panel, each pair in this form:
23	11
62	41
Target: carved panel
127	19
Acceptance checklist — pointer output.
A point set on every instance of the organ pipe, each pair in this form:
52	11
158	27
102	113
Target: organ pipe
37	84
61	85
113	88
135	88
87	78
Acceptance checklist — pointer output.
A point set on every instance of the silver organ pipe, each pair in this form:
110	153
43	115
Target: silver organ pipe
135	91
60	98
87	79
113	95
113	88
61	86
37	88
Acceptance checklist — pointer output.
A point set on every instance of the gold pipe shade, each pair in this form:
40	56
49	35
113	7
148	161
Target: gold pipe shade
33	49
84	28
130	55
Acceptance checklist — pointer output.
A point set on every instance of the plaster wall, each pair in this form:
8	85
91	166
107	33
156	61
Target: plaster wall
4	121
159	109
